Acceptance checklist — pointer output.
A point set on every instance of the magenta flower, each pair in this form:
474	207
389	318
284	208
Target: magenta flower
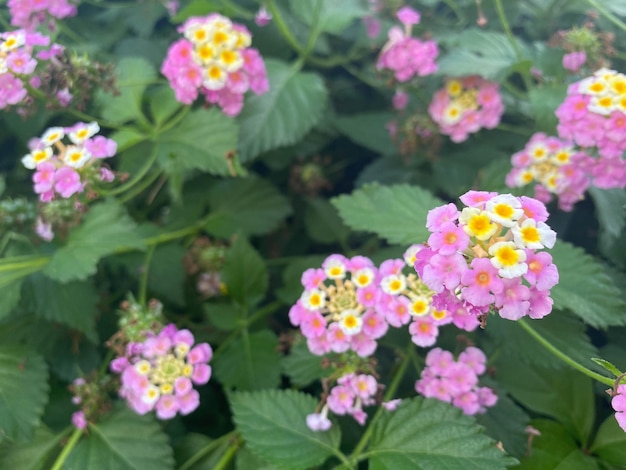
481	282
408	16
573	61
67	182
262	17
619	405
449	239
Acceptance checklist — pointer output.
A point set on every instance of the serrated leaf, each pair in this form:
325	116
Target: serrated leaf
273	424
245	274
10	289
329	16
202	140
396	213
105	229
250	205
611	209
555	449
23	391
564	394
73	304
427	433
293	105
123	440
33	455
300	365
132	77
246	460
368	130
610	443
223	315
251	362
166	276
606	365
585	288
323	223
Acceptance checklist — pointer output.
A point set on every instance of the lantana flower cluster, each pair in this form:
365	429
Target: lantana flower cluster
159	373
91	395
408	57
456	382
594	115
65	169
29	14
618	402
556	167
466	105
487	256
215	59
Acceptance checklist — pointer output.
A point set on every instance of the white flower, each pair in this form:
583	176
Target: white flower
313	299
508	260
36	157
393	284
504	209
350	322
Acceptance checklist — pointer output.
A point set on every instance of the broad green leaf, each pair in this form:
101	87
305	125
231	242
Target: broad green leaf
300	365
162	104
133	74
543	102
246	460
611	209
292	106
33	455
610	443
396	213
193	444
245	274
202	140
23	391
105	229
223	315
368	130
251	362
429	434
329	16
475	52
273	424
322	222
126	138
250	205
123	440
166	275
555	449
10	288
585	288
74	304
564	394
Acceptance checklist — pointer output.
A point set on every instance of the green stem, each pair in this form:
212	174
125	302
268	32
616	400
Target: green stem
564	357
314	32
229	454
263	312
74	438
206	450
509	34
145	184
38	262
143	281
607	14
140	174
173	121
283	28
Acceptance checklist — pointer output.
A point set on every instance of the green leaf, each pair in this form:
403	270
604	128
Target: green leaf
610	443
611	209
292	288
223	315
105	229
543	103
166	276
475	52
300	365
132	75
427	433
323	223
246	460
251	362
192	444
33	455
607	366
555	449
123	440
329	16
11	288
23	391
249	205
245	274
396	213
74	304
368	130
585	288
563	394
202	140
273	424
163	104
293	105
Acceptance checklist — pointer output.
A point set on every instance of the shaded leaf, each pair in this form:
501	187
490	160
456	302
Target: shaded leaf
245	274
192	444
166	276
329	16
610	443
323	223
368	130
32	455
300	365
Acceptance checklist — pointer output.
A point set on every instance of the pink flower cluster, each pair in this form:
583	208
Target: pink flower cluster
159	373
404	55
466	105
64	170
573	61
215	59
456	382
594	115
29	14
348	396
618	402
486	256
556	167
17	62
336	311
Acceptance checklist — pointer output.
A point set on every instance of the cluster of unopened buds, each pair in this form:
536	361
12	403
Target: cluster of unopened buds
557	168
215	59
456	382
18	61
159	373
408	57
593	115
466	105
29	14
486	256
91	394
66	169
206	259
